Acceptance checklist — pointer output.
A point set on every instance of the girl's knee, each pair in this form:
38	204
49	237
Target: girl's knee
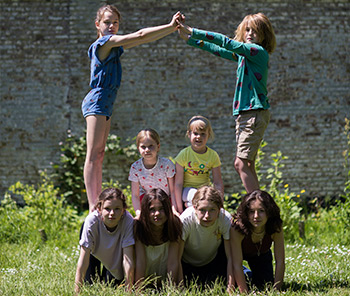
238	164
96	155
241	165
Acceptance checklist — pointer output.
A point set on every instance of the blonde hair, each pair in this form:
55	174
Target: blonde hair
208	193
200	123
263	27
148	132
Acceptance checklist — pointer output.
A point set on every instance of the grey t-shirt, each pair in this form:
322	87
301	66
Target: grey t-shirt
105	245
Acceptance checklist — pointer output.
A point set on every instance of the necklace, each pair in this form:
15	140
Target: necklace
260	237
259	248
258	233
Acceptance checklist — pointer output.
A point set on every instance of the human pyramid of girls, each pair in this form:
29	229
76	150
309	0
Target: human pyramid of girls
181	231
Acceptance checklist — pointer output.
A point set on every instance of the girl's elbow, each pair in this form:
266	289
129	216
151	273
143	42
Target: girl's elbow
129	264
178	186
140	35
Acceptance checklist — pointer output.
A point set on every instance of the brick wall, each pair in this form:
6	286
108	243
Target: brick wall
45	73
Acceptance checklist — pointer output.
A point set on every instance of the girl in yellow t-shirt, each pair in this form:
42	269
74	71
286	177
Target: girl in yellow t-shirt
194	163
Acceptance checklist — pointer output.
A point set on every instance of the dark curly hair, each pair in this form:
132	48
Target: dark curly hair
241	218
172	228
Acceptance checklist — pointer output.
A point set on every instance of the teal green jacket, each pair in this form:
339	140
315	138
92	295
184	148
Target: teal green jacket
252	69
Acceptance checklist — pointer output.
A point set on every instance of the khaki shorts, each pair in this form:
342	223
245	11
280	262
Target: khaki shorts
250	129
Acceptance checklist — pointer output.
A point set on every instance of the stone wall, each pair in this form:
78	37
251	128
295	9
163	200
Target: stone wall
45	75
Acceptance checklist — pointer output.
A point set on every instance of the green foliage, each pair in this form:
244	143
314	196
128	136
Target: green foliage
346	155
68	174
258	162
231	202
14	227
45	216
275	174
286	200
327	226
344	207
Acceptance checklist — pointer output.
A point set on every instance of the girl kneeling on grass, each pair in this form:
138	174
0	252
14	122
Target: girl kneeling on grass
157	236
257	224
108	235
205	245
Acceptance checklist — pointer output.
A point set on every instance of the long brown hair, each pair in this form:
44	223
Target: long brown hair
263	27
241	218
172	228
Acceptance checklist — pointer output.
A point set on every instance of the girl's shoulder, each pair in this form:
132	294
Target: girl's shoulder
254	51
188	215
183	153
136	164
225	214
239	227
237	234
93	218
186	149
211	150
100	42
128	217
163	161
277	235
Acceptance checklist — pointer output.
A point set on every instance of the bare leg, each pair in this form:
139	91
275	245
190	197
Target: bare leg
246	170
96	137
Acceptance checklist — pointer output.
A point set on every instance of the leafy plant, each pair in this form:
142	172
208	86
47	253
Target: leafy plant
68	173
231	202
286	200
346	155
45	215
258	163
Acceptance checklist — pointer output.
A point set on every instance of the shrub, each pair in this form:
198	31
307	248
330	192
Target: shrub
45	215
286	200
68	173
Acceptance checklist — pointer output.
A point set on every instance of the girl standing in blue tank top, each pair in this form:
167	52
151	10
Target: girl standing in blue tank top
106	73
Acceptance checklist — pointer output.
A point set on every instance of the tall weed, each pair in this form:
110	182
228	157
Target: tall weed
286	199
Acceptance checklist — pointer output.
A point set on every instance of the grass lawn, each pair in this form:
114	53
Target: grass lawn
44	269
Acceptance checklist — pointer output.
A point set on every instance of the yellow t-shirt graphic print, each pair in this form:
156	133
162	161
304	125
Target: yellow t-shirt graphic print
197	166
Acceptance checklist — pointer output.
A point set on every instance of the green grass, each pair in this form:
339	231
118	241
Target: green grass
44	269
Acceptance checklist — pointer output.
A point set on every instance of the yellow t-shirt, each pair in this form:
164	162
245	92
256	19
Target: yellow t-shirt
197	166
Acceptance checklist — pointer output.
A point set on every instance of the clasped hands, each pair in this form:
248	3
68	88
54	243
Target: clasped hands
184	30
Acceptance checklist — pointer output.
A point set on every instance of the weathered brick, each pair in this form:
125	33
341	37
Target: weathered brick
45	73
